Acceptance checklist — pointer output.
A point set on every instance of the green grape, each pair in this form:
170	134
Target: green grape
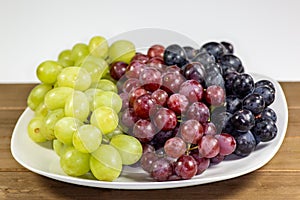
65	128
109	99
96	70
59	147
49	123
106	85
87	138
56	97
41	110
65	55
37	94
121	50
105	118
98	47
106	163
48	71
129	148
79	51
66	63
77	105
75	163
90	94
74	77
34	129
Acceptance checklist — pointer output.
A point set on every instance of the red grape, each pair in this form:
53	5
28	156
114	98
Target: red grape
191	131
186	167
178	103
208	146
165	119
143	130
156	51
175	147
142	105
117	70
215	95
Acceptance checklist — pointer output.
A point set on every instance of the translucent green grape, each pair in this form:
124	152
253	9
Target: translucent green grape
106	163
105	118
65	128
65	55
87	138
75	163
48	71
49	123
79	51
98	47
37	94
74	77
129	148
56	97
107	85
109	99
121	50
34	129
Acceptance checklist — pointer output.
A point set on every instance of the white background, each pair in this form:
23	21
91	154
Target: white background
265	33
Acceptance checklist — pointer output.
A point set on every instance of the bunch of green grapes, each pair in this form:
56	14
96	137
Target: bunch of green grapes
76	107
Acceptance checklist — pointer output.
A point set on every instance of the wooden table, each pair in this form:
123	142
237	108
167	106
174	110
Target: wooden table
279	179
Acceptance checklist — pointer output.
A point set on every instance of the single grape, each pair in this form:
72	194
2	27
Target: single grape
161	169
147	160
160	97
267	93
79	51
75	163
190	52
242	85
134	94
178	103
65	55
243	120
56	98
156	50
215	95
254	103
233	103
245	144
37	95
41	110
121	50
214	48
192	89
175	55
210	128
202	163
268	113
96	69
195	71
227	143
87	138
217	159
34	129
175	147
130	84
191	131
129	148
106	163
48	71
228	46
98	47
150	78
186	167
142	106
140	57
107	85
134	69
58	147
165	119
230	62
265	83
198	111
143	130
265	130
208	146
105	118
204	58
118	69
65	128
171	82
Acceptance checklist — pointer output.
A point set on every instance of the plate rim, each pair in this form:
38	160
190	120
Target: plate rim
154	184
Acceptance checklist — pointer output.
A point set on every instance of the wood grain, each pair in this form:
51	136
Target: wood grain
279	179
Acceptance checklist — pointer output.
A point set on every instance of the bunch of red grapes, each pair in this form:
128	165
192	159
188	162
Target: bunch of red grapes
182	105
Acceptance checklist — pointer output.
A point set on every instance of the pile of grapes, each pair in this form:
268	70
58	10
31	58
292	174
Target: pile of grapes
174	111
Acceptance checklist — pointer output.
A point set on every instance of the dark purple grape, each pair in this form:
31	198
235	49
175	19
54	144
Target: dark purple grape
175	55
217	159
242	120
230	62
228	82
214	48
190	52
265	129
245	144
198	111
196	71
242	85
255	103
228	46
267	93
233	104
161	169
117	70
204	58
268	113
265	83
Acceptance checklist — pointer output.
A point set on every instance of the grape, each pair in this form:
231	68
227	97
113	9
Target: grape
160	97
34	129
121	50
192	90
198	111
98	47
243	120
165	119
125	100
214	48
204	58
161	169
65	55
130	84
268	113
109	99
210	129
161	137
228	81
74	77
227	143
178	103
191	131
37	94
118	69
48	71
77	105
142	106
157	63
106	85
56	97
87	138
215	95
217	159
175	147
267	93
230	62
233	104
143	130
58	147
171	82
175	55
228	47
65	128
49	123
129	118
245	144
130	148
75	163
147	160
208	146
66	63
195	71
41	110
242	85
79	51
105	118
150	79
140	57
265	130
202	163
134	69
265	83
254	103
95	69
156	51
106	163
190	52
186	167
91	93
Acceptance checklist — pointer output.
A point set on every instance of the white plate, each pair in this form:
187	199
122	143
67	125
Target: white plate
42	160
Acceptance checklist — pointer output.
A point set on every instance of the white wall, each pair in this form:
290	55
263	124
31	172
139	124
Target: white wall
265	33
